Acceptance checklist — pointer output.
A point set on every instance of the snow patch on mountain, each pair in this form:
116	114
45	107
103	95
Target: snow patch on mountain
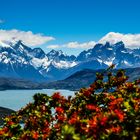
64	64
127	63
109	62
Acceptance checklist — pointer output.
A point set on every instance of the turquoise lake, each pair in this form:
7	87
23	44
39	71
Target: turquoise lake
16	99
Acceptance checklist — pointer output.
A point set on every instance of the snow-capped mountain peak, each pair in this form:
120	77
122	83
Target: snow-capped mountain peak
19	60
54	53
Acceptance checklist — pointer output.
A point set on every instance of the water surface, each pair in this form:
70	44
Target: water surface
15	99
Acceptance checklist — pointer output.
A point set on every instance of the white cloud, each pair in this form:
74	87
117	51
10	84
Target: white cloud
130	40
81	45
27	38
53	46
1	21
75	45
31	39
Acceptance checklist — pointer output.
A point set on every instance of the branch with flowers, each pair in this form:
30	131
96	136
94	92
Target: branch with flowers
108	110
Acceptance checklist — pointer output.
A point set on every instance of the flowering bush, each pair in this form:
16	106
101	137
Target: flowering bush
108	109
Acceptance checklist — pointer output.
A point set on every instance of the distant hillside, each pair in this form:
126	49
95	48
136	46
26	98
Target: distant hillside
86	77
12	83
74	82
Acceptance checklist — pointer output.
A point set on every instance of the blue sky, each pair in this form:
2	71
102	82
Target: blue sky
71	20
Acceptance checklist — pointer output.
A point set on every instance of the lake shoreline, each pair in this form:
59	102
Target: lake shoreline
74	90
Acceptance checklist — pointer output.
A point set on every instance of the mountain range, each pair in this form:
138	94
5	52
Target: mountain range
20	61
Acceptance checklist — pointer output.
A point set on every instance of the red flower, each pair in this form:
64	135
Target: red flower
104	120
35	135
111	97
2	132
116	129
119	100
59	110
74	119
93	123
92	107
10	123
56	96
61	118
113	104
119	114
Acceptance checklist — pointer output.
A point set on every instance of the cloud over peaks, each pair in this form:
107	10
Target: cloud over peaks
81	45
27	38
75	45
130	40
